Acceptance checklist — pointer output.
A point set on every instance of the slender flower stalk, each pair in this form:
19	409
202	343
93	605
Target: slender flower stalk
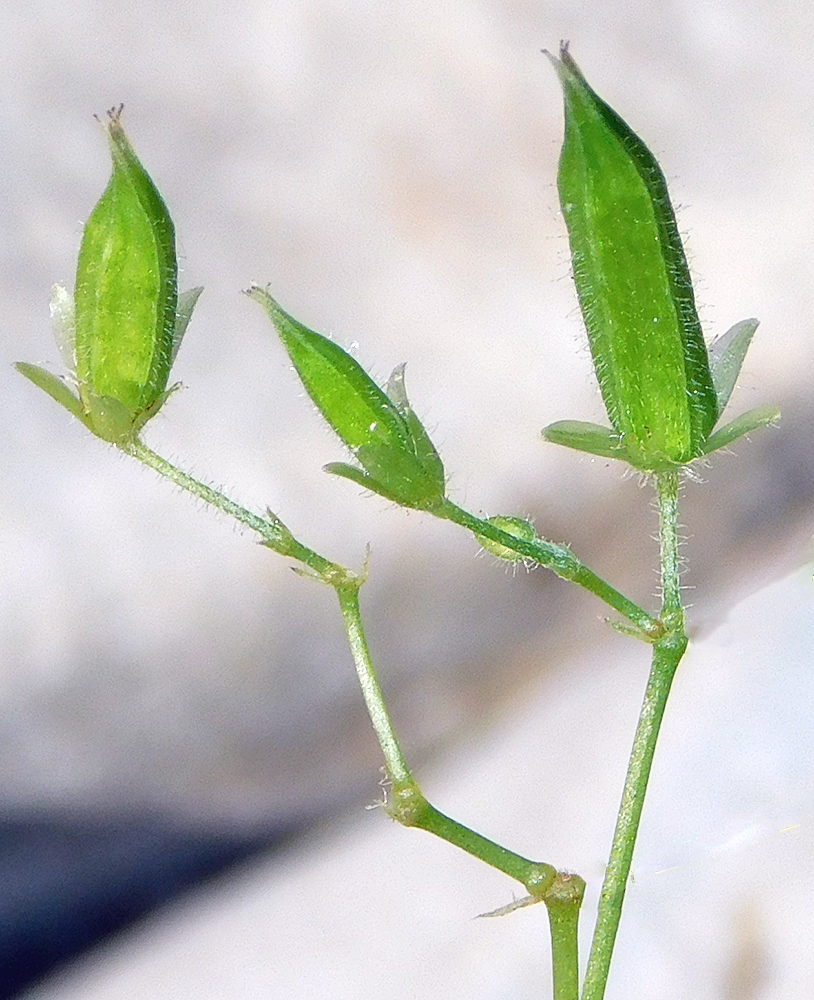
667	654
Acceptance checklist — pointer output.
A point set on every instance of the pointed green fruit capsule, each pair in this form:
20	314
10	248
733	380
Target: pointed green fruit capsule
633	283
126	297
123	330
396	456
662	391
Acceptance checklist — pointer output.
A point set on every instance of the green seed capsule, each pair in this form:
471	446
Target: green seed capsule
395	453
121	334
662	392
633	283
126	297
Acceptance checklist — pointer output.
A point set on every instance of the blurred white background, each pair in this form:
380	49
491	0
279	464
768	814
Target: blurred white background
389	170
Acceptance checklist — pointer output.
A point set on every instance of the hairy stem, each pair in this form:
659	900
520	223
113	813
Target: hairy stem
271	529
558	558
667	653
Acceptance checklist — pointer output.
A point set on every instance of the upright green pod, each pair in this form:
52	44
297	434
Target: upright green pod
126	322
633	283
662	392
126	292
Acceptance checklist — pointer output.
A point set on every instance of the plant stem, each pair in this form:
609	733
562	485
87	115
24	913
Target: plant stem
397	770
408	805
271	529
563	901
410	808
667	653
558	558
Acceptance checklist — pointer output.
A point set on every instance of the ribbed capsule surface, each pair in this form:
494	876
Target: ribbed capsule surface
633	283
126	292
396	456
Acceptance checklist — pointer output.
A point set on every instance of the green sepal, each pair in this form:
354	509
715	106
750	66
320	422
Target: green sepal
633	283
110	419
726	356
104	416
761	416
382	433
361	478
56	389
186	303
63	325
584	436
424	448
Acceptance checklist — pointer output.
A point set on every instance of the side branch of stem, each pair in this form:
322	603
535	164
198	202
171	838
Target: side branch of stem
558	558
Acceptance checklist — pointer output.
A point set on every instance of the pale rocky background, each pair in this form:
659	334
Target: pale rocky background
389	169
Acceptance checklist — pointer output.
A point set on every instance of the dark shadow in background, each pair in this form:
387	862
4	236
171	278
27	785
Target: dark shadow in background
69	880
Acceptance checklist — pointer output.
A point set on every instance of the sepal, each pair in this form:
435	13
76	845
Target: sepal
56	388
762	416
582	435
726	356
183	314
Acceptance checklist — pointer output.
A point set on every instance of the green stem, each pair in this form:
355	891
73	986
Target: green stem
667	653
563	901
397	770
558	558
408	806
271	529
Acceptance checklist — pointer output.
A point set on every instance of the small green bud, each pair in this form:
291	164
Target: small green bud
126	324
516	526
396	456
662	392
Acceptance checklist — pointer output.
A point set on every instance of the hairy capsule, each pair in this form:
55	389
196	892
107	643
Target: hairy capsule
123	328
396	457
126	295
661	392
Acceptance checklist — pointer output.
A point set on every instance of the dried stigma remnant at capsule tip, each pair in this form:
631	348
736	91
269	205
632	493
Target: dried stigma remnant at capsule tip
662	392
122	333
